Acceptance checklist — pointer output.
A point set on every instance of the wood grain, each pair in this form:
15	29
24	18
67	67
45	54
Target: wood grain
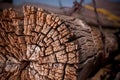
38	45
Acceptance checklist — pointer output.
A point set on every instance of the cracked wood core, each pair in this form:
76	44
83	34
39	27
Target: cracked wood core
43	46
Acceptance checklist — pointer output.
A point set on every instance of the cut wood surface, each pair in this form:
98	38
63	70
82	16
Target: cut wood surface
38	45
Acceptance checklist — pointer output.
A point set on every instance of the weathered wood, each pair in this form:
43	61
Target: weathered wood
44	46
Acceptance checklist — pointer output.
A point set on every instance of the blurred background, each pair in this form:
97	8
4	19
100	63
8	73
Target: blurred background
66	3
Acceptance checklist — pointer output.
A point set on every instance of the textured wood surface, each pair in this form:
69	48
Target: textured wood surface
38	45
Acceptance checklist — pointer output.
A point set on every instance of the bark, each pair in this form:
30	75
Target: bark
38	45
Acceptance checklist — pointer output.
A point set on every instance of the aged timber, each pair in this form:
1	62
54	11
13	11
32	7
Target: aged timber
38	45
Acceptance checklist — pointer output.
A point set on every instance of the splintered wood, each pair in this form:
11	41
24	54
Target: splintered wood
42	46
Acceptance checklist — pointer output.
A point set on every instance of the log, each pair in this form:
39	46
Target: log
39	45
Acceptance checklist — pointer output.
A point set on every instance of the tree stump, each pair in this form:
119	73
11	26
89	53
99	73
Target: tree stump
38	45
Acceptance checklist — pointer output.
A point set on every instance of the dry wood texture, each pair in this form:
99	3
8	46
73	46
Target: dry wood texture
42	46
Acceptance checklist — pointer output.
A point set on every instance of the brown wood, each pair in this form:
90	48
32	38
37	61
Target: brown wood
38	45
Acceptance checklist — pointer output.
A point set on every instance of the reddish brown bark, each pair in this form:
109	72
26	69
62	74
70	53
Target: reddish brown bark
38	45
